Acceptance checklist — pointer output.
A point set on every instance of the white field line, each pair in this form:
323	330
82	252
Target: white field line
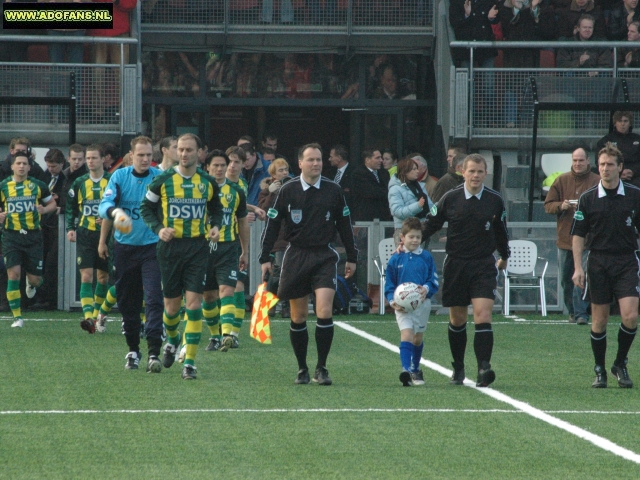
522	406
309	410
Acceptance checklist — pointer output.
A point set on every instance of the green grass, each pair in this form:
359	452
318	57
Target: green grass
250	427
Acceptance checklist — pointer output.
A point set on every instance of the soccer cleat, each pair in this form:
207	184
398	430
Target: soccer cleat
183	354
486	376
622	374
133	359
405	378
417	377
227	343
169	355
321	377
214	345
458	374
89	325
303	377
581	321
189	372
236	342
101	323
154	365
601	377
30	290
17	323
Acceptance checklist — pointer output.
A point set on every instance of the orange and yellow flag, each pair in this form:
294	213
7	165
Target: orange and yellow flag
260	327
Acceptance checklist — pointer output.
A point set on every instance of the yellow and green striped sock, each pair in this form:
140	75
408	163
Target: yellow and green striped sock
238	300
227	314
98	298
86	299
171	325
211	314
109	301
13	297
193	332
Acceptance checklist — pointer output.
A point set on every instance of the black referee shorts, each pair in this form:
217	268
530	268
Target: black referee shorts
307	269
611	276
465	279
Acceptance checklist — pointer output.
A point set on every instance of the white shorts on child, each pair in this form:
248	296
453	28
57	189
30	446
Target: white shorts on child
416	320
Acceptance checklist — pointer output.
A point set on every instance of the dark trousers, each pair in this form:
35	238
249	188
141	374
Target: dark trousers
48	293
138	279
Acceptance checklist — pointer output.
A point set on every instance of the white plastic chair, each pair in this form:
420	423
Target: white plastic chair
386	248
522	266
555	162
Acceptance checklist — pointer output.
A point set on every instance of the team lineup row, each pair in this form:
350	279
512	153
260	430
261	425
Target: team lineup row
186	214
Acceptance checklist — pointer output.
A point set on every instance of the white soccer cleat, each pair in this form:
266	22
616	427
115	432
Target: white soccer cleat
30	290
183	354
101	323
18	323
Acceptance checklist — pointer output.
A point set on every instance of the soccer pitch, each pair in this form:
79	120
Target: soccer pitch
68	408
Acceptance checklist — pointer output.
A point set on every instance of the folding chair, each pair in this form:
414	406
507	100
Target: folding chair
386	248
522	267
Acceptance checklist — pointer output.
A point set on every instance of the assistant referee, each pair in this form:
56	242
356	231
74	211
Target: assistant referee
608	215
313	210
477	227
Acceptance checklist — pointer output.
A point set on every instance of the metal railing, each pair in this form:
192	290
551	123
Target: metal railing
497	97
295	16
107	96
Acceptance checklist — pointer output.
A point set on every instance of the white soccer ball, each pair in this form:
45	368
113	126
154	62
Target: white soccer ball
407	296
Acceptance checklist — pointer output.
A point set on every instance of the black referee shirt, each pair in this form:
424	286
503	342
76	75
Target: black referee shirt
477	226
311	217
611	221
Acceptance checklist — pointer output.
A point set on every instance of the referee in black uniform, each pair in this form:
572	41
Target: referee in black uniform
608	215
313	209
477	227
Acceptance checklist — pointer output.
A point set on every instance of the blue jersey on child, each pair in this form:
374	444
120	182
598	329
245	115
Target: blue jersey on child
416	267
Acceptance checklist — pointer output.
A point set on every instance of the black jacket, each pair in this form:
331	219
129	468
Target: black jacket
617	22
629	145
51	219
369	197
476	27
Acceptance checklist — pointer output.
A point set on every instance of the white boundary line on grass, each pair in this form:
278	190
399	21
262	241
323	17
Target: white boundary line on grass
598	441
307	410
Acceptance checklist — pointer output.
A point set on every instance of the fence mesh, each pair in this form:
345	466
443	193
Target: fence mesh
334	13
97	94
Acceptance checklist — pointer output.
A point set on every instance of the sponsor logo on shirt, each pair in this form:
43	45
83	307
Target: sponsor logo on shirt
578	216
296	216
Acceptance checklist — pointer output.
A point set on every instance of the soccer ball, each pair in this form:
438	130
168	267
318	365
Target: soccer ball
407	296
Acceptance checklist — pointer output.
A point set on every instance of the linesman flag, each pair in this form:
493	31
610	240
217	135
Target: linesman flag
260	327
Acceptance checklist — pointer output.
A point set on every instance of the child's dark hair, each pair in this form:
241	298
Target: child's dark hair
411	223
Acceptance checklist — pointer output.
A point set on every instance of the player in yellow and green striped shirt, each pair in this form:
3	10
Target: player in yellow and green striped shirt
24	200
182	207
83	227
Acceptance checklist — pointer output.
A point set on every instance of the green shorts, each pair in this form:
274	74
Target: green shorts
222	268
23	249
87	250
182	265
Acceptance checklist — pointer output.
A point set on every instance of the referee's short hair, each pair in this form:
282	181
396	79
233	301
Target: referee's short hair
475	158
216	153
411	223
308	145
611	150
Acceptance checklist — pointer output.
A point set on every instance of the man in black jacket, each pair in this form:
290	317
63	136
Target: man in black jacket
339	159
628	143
370	189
